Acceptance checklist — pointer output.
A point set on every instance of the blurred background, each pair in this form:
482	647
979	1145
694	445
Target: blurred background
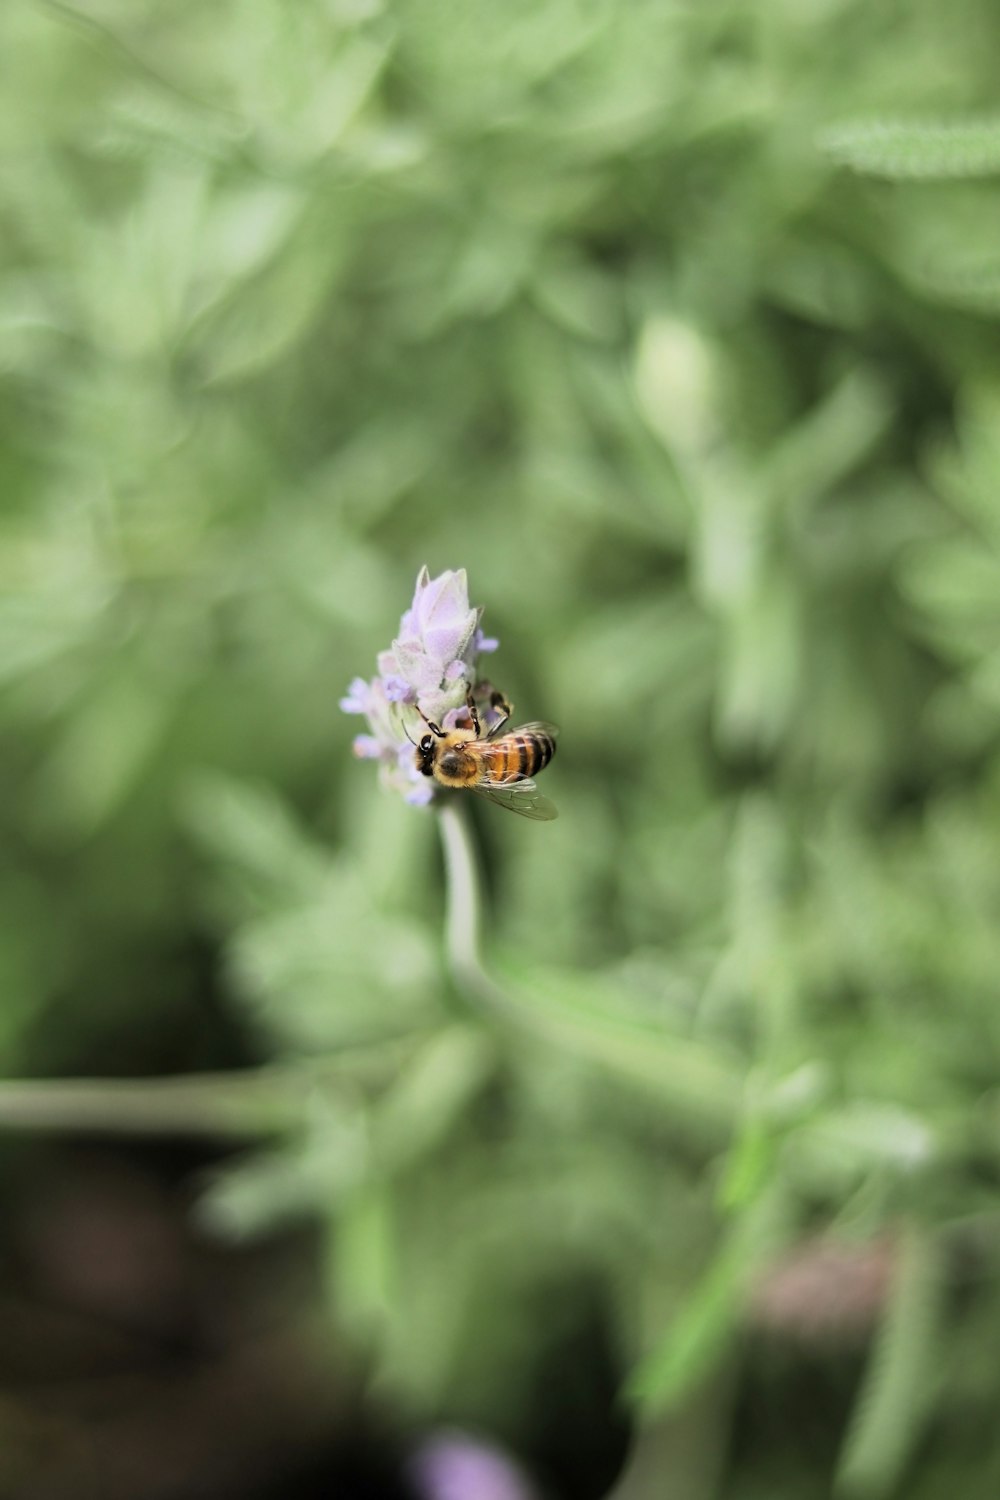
674	324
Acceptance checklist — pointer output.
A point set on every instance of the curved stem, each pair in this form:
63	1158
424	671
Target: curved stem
463	910
263	1101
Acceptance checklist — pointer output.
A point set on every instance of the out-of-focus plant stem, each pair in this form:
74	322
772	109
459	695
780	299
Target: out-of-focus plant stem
681	1452
261	1103
273	1100
700	1088
463	912
256	1103
265	1101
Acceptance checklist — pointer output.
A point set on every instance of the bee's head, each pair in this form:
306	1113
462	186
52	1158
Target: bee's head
425	745
425	755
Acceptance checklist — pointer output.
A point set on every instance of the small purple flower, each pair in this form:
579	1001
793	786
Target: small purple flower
366	747
485	643
398	691
356	701
455	1466
432	663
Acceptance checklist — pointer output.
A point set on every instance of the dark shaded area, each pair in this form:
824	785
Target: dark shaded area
141	1360
138	1359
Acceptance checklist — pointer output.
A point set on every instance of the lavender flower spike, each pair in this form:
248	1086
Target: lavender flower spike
432	662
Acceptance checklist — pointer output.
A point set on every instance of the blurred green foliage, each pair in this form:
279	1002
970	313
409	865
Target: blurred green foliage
675	325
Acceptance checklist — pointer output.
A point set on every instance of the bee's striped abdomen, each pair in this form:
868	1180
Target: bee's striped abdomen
516	756
540	749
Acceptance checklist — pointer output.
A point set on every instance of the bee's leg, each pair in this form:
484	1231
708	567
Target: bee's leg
500	705
470	703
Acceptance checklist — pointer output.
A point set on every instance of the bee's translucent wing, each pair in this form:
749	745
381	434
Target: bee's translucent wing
537	726
518	797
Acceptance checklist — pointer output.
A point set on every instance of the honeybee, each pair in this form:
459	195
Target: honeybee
497	766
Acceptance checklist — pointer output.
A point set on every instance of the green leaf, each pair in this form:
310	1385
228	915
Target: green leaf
267	858
699	1085
301	1179
916	149
102	753
316	958
761	664
431	1094
364	1260
970	281
840	1148
900	1383
701	1330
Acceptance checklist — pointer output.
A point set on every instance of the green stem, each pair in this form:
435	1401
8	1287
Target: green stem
254	1103
202	1105
705	1092
265	1101
681	1452
463	912
272	1100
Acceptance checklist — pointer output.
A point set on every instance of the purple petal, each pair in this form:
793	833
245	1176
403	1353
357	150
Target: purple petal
420	795
408	624
428	600
445	640
486	642
418	668
410	658
456	718
398	691
366	747
358	694
454	671
456	1467
444	601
